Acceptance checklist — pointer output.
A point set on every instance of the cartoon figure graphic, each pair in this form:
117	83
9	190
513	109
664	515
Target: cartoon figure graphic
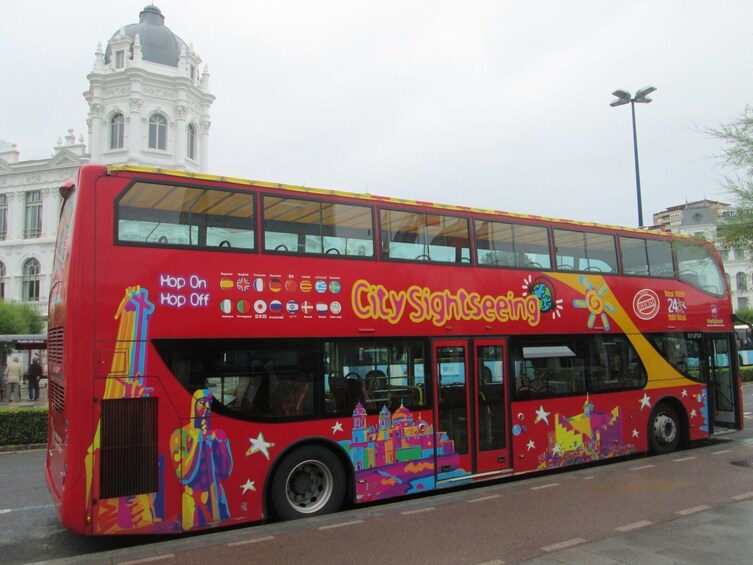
202	458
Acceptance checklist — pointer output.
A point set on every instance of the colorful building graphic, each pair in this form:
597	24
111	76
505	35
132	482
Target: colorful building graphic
585	437
397	456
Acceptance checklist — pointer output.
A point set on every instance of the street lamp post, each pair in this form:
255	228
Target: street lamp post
641	97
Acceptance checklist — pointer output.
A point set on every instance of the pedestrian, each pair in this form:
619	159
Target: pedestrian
35	375
13	373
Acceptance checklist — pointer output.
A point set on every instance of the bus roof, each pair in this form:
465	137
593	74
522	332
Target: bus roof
375	198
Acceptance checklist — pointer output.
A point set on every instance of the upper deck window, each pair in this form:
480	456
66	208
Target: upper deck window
181	215
425	237
502	244
295	225
646	257
585	251
699	268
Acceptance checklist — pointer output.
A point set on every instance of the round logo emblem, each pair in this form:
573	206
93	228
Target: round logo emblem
646	304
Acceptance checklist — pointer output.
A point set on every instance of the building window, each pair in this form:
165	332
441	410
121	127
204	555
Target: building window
31	279
724	253
119	59
191	142
117	131
33	225
2	281
742	303
3	217
739	254
158	132
741	280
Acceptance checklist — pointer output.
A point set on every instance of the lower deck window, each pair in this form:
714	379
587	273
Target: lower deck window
546	366
269	379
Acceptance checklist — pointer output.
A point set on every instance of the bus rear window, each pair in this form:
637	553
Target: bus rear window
161	214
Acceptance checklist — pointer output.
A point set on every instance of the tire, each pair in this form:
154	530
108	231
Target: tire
309	482
664	430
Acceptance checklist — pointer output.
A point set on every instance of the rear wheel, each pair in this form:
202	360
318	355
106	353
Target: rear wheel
664	430
310	481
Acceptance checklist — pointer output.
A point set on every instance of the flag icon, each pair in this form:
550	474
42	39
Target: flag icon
321	308
307	307
292	307
260	307
258	284
275	285
321	287
334	287
305	286
291	285
226	283
275	306
335	307
244	306
243	284
226	306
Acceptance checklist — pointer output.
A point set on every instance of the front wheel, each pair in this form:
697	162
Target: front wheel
310	481
664	430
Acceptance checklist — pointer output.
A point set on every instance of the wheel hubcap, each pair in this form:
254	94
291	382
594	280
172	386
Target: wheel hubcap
309	486
665	429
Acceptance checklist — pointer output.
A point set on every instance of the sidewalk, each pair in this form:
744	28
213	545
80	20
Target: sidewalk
25	402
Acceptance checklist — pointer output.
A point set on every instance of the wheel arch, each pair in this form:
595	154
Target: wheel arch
322	442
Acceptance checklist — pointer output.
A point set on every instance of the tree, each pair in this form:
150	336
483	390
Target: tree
737	136
17	319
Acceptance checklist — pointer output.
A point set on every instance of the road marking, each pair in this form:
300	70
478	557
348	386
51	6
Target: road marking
493	562
25	508
341	525
744	496
483	498
253	540
550	485
720	452
681	459
563	544
409	512
634	526
641	468
149	559
589	477
693	510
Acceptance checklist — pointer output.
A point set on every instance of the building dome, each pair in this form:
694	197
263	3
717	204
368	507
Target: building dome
158	43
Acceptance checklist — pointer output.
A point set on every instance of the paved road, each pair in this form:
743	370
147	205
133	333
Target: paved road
694	506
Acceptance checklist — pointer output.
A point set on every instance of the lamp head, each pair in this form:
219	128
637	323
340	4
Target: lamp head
642	95
623	97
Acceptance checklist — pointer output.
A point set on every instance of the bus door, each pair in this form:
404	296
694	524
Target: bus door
471	403
723	388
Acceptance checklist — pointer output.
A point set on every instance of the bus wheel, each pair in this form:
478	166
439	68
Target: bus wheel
664	433
309	481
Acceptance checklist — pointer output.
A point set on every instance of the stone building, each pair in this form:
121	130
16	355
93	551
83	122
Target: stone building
149	104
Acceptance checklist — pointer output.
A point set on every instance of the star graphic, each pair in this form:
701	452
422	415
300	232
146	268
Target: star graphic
693	413
635	433
338	427
541	414
645	401
530	445
259	445
684	393
249	485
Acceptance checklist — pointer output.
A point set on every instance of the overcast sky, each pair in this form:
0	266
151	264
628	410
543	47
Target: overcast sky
492	104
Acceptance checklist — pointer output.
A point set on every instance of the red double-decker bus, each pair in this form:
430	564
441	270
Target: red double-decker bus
225	351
